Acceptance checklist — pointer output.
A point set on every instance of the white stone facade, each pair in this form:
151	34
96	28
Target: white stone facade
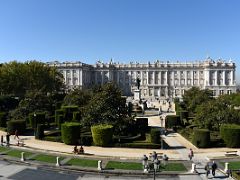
158	79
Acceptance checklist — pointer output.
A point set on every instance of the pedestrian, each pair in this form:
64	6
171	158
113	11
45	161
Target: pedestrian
207	169
16	134
1	140
8	138
214	167
190	155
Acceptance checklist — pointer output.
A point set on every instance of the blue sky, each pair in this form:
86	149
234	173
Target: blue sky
124	30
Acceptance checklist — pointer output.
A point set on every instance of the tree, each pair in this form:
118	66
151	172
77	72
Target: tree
18	78
106	106
214	113
194	97
77	97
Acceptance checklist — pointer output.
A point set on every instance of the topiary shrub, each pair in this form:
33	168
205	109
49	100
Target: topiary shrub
59	121
230	133
155	135
39	134
70	132
86	140
201	138
102	134
57	113
14	125
3	119
172	120
68	112
76	116
142	125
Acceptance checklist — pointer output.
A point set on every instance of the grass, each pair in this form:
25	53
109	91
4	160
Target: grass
17	153
83	162
46	158
233	165
2	149
173	167
124	165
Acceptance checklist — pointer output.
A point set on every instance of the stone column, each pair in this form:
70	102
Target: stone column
147	77
186	79
153	78
224	78
102	73
216	78
166	77
160	78
232	78
192	78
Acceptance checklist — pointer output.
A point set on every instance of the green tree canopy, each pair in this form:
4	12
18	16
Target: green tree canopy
106	106
18	78
194	97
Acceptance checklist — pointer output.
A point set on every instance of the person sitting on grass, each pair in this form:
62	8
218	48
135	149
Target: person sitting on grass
81	150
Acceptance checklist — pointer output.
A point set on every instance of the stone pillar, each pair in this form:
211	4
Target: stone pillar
153	78
102	74
192	78
193	170
80	78
166	77
232	78
22	156
58	163
147	77
99	165
226	167
160	78
186	78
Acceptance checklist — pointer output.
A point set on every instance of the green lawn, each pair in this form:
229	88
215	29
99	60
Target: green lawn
173	167
124	165
17	153
83	162
2	149
47	158
233	165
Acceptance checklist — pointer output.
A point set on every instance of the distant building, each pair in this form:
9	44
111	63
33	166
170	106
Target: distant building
158	79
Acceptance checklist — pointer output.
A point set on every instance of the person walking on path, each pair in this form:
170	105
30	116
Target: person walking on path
8	138
214	167
16	134
190	155
207	169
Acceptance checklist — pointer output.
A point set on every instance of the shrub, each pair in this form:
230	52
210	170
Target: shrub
172	120
3	119
102	134
230	133
39	134
183	115
14	125
142	125
201	138
68	112
155	135
70	132
59	121
57	113
76	116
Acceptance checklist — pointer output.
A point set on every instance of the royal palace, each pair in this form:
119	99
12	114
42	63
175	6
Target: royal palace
157	80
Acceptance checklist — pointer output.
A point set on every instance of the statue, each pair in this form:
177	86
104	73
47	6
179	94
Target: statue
138	83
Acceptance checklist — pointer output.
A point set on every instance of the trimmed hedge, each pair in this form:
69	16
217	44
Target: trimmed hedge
201	138
155	135
59	121
39	134
76	116
3	119
86	140
102	134
230	133
142	125
172	120
14	125
183	115
57	113
70	133
68	112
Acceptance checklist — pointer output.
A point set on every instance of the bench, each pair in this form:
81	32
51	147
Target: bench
231	153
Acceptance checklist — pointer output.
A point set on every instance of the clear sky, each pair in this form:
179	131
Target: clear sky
124	30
